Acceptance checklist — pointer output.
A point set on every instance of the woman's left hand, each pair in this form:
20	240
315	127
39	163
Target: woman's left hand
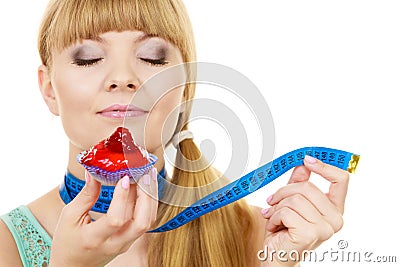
301	216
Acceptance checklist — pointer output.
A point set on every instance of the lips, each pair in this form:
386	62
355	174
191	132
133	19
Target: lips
118	111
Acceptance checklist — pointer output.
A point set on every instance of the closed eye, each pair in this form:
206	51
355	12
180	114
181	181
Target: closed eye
86	62
159	62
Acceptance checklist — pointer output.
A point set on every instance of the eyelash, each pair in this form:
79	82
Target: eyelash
155	62
90	62
87	62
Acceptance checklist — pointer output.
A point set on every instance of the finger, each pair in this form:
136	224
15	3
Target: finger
339	180
143	216
299	204
286	218
114	219
79	207
131	202
144	213
118	206
308	211
299	229
309	191
146	203
299	174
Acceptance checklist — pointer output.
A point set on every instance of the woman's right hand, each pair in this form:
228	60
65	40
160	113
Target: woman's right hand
79	241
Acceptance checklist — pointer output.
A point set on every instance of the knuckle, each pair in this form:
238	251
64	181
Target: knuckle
323	166
284	212
302	171
331	232
291	201
345	176
115	222
67	211
85	193
305	187
312	186
142	227
278	193
310	236
339	222
295	199
341	175
89	244
284	202
326	232
271	211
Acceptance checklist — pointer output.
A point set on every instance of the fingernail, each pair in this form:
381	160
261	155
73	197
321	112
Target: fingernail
269	199
146	179
125	182
264	211
154	174
87	177
310	159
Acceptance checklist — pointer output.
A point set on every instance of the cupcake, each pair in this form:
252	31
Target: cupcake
118	155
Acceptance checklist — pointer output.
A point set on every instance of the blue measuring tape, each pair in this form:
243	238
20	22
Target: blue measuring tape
232	192
71	186
257	179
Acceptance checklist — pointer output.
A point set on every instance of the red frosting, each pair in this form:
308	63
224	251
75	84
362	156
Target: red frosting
117	152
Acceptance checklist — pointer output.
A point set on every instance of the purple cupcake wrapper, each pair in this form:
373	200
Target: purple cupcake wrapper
112	178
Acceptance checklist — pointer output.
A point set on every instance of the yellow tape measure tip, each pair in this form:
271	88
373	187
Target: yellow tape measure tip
353	163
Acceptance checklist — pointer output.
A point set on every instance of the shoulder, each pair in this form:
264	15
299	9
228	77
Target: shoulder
9	255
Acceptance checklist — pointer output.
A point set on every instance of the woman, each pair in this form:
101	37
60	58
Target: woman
95	56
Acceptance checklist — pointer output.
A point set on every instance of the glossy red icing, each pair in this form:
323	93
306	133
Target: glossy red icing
117	152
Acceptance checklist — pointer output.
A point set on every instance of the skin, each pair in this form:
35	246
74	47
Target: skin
300	215
78	93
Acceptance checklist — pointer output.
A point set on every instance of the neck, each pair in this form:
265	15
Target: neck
78	170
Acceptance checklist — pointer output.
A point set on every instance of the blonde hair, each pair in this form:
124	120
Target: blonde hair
216	239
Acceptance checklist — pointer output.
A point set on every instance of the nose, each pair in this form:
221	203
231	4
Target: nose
117	84
121	77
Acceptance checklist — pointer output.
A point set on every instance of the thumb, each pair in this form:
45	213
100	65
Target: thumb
299	174
85	200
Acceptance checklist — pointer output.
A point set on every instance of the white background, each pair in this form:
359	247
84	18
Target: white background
329	71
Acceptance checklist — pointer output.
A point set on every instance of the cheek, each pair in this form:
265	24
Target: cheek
162	120
75	97
73	101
